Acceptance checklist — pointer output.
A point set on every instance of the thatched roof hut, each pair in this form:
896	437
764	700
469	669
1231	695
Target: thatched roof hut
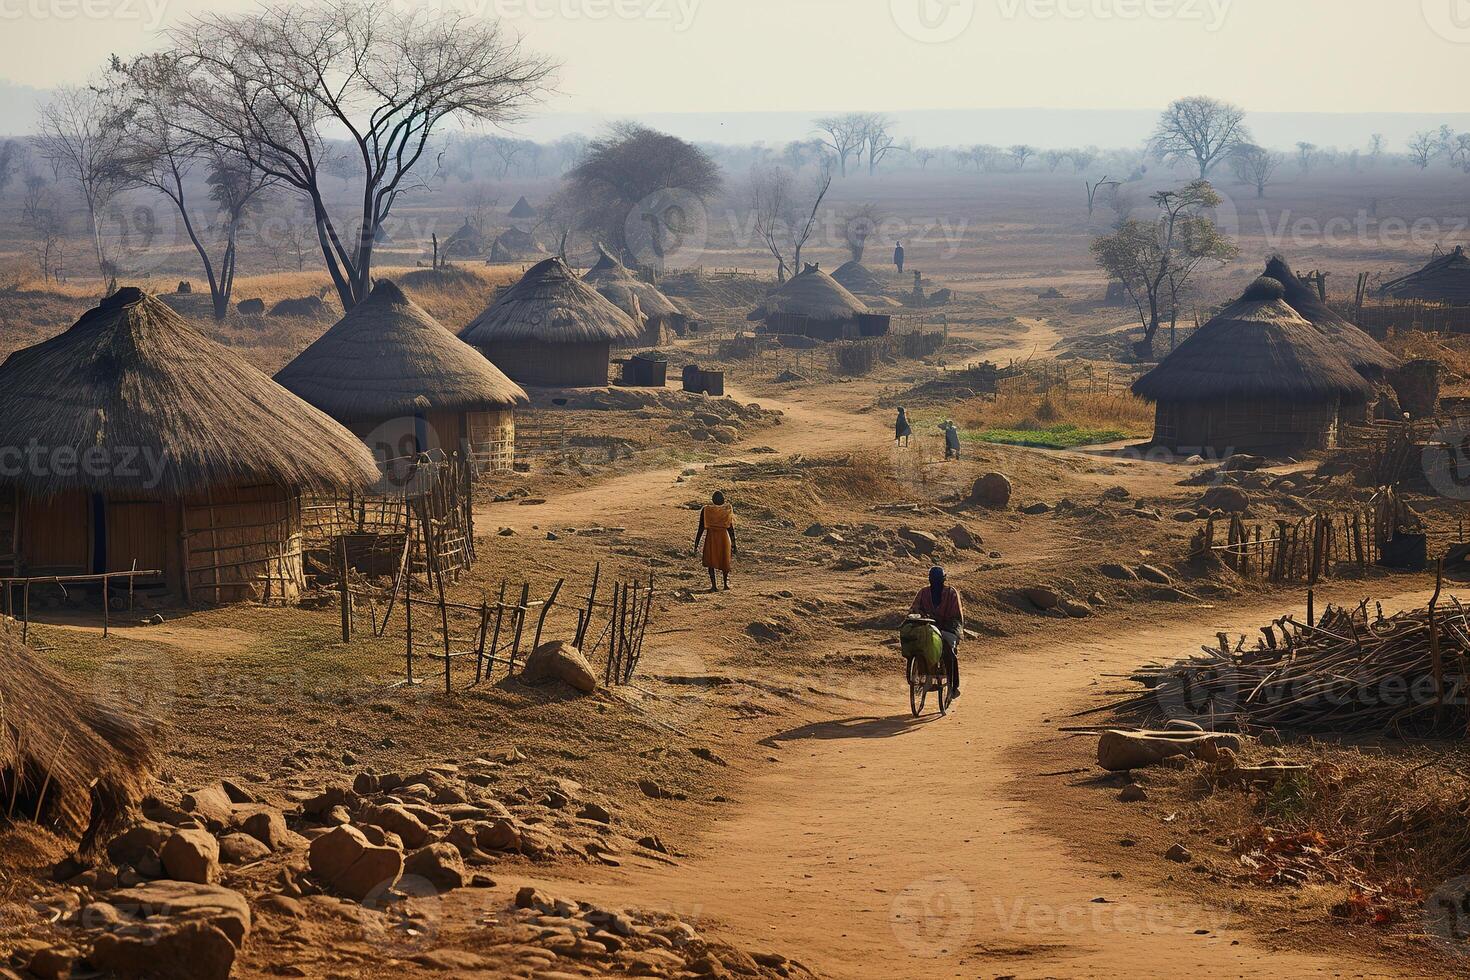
94	762
551	329
148	435
617	283
400	379
514	245
1364	353
465	243
1256	378
858	278
1446	279
522	209
814	304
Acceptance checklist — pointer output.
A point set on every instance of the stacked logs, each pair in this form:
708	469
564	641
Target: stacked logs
1349	673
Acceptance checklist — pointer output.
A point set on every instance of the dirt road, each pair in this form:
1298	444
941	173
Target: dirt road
876	845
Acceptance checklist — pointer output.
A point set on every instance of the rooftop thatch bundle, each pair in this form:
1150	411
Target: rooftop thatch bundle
1364	353
552	305
513	244
389	357
1257	348
1446	279
617	283
132	382
523	209
812	294
858	278
93	762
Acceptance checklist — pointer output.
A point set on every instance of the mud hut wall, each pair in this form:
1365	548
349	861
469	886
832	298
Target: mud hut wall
9	525
1246	425
547	365
55	534
243	543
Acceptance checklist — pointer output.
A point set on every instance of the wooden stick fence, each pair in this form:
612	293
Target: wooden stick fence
10	583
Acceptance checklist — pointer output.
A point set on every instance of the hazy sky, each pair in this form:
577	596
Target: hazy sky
636	56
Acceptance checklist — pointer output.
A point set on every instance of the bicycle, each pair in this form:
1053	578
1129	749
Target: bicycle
923	678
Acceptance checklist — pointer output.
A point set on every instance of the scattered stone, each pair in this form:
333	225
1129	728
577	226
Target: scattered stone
1178	853
816	530
559	661
1120	572
503	835
266	825
54	962
187	950
396	819
211	805
1116	494
220	907
1132	793
1037	508
1240	462
1231	500
594	812
920	542
439	864
346	862
192	856
1075	609
652	790
991	490
1042	597
241	849
961	538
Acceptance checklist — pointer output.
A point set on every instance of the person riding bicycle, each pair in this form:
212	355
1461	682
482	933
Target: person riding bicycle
941	603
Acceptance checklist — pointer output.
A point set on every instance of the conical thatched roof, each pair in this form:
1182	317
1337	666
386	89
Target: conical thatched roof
513	244
1256	348
1445	279
389	357
815	294
858	278
552	305
617	283
523	209
162	410
51	729
1364	353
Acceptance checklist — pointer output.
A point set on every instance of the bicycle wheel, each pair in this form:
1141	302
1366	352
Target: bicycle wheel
918	675
942	689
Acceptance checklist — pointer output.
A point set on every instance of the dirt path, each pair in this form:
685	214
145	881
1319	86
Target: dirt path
877	845
1038	338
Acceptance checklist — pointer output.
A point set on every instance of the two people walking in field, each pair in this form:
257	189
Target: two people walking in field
717	529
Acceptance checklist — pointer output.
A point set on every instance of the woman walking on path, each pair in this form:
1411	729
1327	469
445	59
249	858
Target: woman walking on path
717	527
901	428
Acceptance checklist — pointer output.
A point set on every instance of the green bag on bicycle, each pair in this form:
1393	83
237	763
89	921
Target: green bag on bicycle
920	638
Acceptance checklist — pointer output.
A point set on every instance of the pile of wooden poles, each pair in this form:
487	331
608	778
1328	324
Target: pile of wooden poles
1351	672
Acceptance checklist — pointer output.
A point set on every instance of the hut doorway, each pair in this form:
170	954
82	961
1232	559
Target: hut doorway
128	531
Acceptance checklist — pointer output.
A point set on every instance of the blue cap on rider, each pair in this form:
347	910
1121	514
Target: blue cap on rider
936	575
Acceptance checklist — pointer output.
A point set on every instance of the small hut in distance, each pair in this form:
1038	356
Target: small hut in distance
400	380
813	304
859	279
167	452
465	243
661	315
522	210
1446	279
1256	378
551	329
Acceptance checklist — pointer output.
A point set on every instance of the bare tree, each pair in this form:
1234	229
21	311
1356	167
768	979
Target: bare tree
45	217
1054	159
924	156
783	217
1083	158
165	157
1422	148
1021	153
9	161
858	225
1460	152
297	234
81	135
268	86
1094	188
1200	128
844	136
878	139
1256	166
1306	156
561	217
1156	260
1375	147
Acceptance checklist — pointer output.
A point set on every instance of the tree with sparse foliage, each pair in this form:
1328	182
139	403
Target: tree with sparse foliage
878	138
1422	148
1306	156
624	171
1255	165
1156	260
275	86
784	216
44	216
1020	153
844	136
1200	129
80	134
859	223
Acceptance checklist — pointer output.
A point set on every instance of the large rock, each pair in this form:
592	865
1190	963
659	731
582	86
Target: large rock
440	864
396	819
241	849
220	907
140	843
191	855
186	950
991	490
344	861
559	661
266	825
1231	500
211	805
1043	597
919	542
1155	574
961	538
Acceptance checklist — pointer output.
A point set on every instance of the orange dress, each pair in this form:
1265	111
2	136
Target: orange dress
718	550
